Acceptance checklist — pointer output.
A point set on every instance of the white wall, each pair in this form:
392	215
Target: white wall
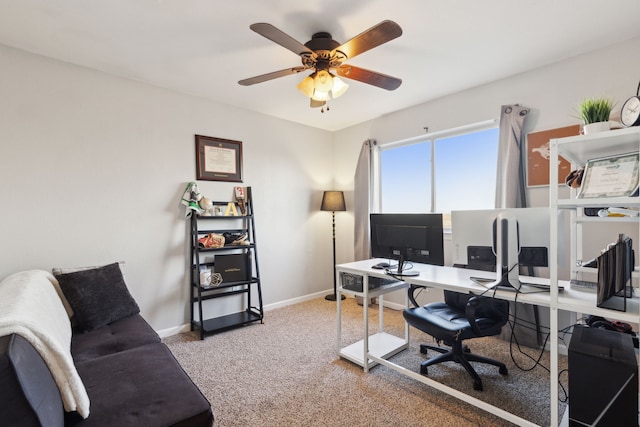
94	167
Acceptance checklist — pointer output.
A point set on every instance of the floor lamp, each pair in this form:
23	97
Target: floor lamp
333	201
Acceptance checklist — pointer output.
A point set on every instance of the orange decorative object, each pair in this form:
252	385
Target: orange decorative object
211	240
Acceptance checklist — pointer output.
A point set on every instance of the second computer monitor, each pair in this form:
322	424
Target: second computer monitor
473	236
407	237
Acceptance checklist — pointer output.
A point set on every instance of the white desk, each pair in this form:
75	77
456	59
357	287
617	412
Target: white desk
459	280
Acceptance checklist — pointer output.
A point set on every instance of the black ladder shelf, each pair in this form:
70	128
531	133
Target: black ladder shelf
248	289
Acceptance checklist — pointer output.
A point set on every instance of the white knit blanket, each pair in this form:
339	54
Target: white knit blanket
31	308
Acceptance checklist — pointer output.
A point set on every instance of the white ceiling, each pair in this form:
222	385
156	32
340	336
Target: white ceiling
203	47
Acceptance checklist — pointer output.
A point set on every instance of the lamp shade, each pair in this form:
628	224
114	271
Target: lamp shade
306	86
319	95
323	81
333	201
339	87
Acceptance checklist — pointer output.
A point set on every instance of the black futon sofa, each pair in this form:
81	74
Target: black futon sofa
130	376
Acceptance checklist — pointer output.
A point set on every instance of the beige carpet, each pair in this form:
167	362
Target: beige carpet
286	372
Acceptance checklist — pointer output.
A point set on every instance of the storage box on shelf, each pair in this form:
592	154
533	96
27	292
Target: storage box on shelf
236	264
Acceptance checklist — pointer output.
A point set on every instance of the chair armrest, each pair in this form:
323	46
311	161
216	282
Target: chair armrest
411	293
470	313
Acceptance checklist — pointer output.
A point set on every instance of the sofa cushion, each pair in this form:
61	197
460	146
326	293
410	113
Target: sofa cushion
28	396
143	386
98	296
121	335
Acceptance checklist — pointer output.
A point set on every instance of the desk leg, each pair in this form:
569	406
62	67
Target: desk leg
406	325
380	313
553	321
365	311
339	317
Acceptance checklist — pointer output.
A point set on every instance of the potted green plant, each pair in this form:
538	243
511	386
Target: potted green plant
594	113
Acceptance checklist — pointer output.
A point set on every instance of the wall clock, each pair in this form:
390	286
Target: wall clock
630	112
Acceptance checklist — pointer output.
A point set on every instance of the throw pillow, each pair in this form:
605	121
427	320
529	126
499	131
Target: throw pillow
98	296
56	271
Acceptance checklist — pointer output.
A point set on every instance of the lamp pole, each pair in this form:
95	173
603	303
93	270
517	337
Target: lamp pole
333	201
334	296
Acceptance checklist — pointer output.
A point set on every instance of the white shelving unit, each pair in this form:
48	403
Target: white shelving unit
578	150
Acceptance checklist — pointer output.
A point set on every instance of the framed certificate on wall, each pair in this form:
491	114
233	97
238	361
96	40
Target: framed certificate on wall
218	159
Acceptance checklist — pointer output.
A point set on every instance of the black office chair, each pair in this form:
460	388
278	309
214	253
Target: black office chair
459	318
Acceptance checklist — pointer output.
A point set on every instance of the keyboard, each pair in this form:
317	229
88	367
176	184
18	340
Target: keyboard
583	284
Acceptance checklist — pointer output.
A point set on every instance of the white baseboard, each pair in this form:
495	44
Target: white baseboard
296	300
164	333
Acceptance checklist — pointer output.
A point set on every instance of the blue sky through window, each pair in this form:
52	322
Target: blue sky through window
465	174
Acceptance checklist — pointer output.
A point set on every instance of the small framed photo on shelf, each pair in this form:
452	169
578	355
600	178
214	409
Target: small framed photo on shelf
613	176
218	159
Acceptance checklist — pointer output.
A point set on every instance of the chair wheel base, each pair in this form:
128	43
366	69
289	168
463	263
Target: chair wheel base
477	385
503	370
424	370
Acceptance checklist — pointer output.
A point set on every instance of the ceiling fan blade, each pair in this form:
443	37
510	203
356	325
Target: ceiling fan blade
374	36
270	76
316	104
281	38
370	77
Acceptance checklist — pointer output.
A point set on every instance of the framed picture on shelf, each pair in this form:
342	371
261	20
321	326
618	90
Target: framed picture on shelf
613	176
218	159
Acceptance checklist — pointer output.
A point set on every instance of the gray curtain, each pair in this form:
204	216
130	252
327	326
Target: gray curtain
511	193
510	183
362	200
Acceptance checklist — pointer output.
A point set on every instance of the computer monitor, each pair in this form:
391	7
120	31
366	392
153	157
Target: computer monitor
501	239
407	237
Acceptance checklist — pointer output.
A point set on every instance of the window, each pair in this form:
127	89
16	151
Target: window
441	172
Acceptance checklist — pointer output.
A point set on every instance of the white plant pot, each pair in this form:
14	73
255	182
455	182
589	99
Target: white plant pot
596	127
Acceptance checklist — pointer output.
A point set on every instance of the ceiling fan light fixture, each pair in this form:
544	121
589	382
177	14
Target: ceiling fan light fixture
319	95
317	104
339	87
306	86
323	81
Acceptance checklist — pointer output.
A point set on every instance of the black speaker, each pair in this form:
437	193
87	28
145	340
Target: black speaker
603	378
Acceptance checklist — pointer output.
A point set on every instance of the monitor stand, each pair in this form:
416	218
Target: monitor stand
400	271
396	272
507	250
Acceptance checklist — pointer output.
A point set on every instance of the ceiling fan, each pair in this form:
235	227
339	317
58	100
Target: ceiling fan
325	57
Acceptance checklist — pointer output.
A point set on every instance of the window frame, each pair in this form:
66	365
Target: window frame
427	137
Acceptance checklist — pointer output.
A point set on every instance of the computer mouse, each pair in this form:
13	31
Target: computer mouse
381	265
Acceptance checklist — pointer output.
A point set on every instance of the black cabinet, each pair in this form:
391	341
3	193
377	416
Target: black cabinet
224	265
